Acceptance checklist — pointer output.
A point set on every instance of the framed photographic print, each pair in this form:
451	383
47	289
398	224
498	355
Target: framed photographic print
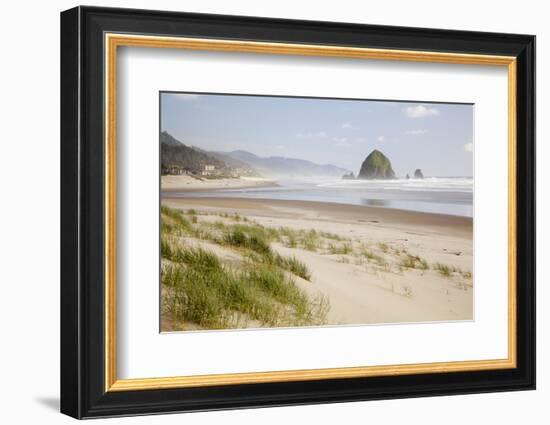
261	212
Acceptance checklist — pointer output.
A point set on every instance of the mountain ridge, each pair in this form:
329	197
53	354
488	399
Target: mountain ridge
282	165
177	155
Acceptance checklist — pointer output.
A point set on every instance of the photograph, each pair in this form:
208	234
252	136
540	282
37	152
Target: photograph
286	210
280	211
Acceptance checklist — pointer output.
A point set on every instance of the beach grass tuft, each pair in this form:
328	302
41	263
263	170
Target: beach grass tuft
176	218
310	240
443	269
202	290
341	249
384	247
414	262
372	256
448	270
293	265
466	274
332	236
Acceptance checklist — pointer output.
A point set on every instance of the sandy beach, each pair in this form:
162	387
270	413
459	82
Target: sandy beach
374	265
189	183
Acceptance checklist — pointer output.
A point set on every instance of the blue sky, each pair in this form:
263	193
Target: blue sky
434	137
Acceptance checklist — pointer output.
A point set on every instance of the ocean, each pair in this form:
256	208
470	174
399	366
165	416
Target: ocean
439	195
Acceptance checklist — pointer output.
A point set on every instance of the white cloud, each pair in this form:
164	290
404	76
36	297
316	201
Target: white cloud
361	140
380	138
416	132
346	125
420	111
341	142
469	147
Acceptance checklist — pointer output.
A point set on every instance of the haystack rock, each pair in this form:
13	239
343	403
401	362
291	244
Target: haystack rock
376	166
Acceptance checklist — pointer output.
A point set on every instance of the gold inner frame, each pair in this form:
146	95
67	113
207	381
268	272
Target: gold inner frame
113	41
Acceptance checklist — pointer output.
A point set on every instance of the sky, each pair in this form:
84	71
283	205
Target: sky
435	137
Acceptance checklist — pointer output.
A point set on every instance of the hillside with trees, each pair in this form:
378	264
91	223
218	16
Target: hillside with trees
177	158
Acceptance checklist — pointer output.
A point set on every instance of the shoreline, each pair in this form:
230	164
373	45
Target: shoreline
188	187
452	225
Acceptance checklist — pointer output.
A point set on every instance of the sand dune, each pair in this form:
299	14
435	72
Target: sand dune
369	282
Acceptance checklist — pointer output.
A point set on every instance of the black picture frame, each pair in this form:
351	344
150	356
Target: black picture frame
83	392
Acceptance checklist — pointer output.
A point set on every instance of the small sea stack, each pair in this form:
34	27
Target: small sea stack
418	174
349	176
